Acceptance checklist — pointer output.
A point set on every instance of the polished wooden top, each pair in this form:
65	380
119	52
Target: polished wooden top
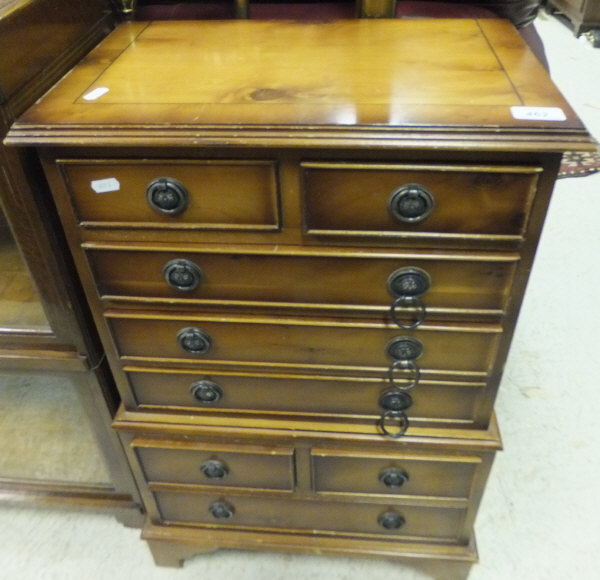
398	80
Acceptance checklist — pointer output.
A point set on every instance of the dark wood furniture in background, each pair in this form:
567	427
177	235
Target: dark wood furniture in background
584	15
305	248
215	9
57	395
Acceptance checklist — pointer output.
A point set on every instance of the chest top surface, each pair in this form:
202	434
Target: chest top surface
354	79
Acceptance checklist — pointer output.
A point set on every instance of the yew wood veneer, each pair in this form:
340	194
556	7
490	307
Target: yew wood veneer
305	246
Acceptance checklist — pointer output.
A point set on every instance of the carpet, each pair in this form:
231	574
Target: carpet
579	163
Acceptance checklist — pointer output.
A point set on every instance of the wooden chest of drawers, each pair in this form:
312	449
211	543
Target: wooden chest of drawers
305	250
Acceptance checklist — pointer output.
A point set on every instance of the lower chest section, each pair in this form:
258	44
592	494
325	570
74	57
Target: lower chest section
295	485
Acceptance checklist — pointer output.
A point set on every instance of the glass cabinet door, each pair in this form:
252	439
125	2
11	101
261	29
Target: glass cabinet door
20	306
57	444
45	433
56	394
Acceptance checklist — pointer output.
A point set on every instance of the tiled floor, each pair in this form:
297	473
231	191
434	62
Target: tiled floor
539	518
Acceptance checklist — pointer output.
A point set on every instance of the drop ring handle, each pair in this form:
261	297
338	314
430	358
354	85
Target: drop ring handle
401	420
404	365
408	285
394	421
413	302
182	275
167	196
411	203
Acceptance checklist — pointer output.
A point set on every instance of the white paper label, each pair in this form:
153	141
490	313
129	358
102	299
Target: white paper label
538	113
106	185
95	94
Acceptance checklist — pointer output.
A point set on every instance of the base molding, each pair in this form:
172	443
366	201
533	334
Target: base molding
171	545
94	498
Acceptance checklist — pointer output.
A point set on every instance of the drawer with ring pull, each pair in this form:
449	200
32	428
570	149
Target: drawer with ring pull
187	461
209	194
407	473
411	286
255	511
439	203
434	402
304	342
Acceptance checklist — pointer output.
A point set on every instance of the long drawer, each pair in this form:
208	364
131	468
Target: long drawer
402	200
174	389
302	341
253	511
464	281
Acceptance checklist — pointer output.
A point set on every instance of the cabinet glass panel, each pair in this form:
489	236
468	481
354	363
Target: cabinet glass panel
20	306
45	433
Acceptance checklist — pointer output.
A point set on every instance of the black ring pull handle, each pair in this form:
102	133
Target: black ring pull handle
167	196
183	275
206	392
409	281
404	365
393	424
408	285
194	340
214	469
411	203
221	510
393	477
394	421
394	400
412	303
391	520
405	348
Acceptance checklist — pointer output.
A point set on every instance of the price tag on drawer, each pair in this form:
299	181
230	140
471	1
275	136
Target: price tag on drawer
538	113
107	185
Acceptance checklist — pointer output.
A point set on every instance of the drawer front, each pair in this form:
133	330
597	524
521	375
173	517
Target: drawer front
296	341
339	279
286	393
350	200
442	476
220	194
181	461
313	516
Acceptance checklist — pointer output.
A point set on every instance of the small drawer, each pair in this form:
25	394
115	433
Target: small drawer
434	202
296	276
190	462
230	195
401	474
433	400
304	341
239	511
